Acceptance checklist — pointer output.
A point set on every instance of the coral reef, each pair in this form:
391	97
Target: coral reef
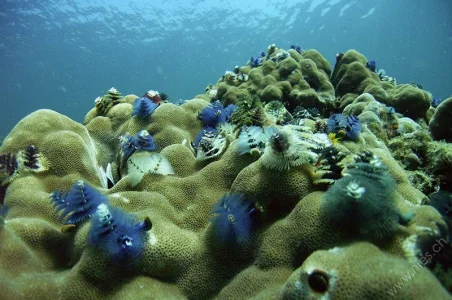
286	179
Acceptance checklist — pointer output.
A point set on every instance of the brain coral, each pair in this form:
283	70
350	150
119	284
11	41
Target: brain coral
440	124
360	271
165	199
352	76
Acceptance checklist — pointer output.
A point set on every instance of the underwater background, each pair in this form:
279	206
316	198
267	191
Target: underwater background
61	55
252	150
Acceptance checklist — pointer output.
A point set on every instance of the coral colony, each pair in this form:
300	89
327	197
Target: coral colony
289	175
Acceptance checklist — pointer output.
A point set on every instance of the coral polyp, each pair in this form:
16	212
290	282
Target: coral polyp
105	103
285	150
8	166
117	234
154	163
142	141
3	212
279	141
78	204
329	165
251	137
34	160
256	61
143	107
209	143
155	96
296	48
213	114
345	126
233	220
363	202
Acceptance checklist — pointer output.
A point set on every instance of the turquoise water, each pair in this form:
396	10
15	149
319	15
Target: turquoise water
63	54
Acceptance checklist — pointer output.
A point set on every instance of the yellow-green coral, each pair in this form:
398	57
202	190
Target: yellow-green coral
338	273
352	76
440	123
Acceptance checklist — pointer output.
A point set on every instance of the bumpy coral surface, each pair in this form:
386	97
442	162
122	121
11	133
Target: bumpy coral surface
175	208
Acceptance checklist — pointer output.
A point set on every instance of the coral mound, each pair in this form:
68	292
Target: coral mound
152	225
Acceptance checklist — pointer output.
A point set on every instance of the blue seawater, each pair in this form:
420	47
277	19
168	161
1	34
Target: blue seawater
62	54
